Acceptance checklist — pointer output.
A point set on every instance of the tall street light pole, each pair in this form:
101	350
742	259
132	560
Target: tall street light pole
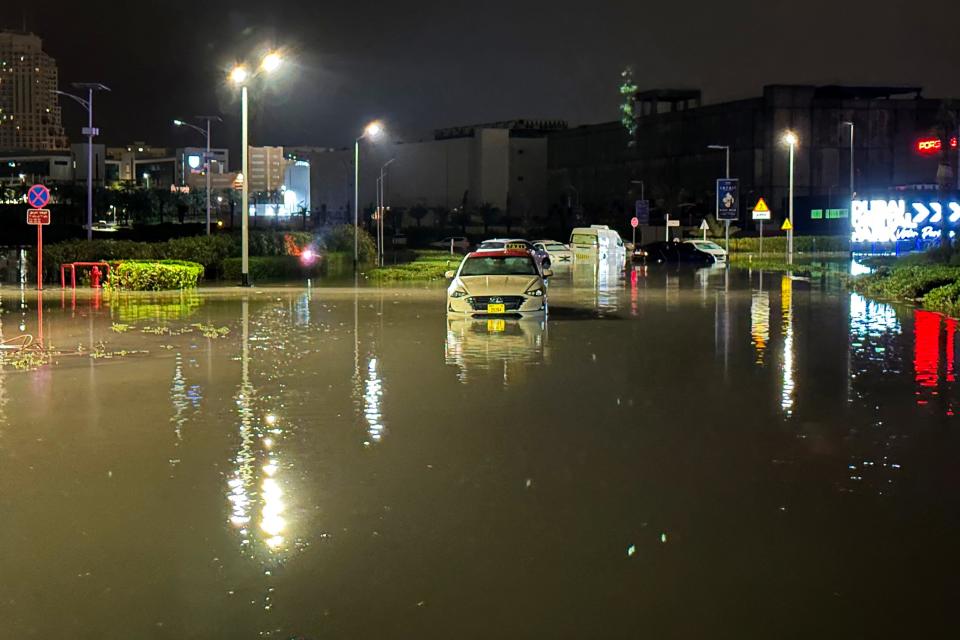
852	165
208	157
240	76
90	132
381	226
790	138
726	223
372	130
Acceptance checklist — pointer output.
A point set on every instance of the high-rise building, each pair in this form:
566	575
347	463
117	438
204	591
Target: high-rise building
29	108
267	166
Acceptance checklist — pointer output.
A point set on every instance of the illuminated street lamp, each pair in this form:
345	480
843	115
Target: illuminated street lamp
372	130
790	139
206	160
240	76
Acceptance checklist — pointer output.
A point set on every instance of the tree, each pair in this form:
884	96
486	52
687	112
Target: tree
628	108
488	215
418	212
463	217
442	217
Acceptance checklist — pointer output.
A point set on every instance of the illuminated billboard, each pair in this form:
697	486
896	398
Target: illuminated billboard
895	220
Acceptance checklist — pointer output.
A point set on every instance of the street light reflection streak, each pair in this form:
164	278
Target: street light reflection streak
788	384
372	402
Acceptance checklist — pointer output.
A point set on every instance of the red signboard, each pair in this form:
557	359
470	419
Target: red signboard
930	146
38	216
634	222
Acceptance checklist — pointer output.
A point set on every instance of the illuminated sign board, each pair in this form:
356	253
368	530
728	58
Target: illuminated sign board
894	220
930	146
193	162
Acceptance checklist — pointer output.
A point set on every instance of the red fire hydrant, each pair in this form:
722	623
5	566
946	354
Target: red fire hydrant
95	277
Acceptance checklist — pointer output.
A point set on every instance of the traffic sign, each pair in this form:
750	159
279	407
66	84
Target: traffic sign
704	226
786	225
634	222
728	199
761	211
673	223
38	196
642	211
38	216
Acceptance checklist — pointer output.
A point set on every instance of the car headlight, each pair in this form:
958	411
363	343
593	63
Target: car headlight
458	293
536	291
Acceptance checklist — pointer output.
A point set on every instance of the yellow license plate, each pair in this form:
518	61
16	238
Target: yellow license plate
496	308
496	326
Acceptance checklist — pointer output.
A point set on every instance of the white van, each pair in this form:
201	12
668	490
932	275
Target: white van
597	243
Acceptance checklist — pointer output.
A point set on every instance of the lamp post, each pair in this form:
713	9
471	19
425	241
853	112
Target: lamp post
790	139
206	160
381	227
726	223
372	130
240	76
850	124
90	132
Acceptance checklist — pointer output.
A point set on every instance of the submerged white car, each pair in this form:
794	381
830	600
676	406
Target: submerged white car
718	253
498	283
560	254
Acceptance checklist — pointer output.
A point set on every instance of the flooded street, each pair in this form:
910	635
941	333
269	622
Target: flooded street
670	454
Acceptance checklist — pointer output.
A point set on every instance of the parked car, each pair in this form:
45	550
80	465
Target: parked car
676	252
512	244
719	253
498	283
598	243
560	254
459	243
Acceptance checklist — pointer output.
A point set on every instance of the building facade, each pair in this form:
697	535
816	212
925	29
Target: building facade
29	108
596	171
501	164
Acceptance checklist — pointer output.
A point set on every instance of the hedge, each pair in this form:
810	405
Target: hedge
264	268
778	244
159	275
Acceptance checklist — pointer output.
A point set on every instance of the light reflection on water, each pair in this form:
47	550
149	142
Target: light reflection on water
787	363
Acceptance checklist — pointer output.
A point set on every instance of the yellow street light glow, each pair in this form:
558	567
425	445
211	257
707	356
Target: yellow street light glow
239	75
373	129
271	62
790	138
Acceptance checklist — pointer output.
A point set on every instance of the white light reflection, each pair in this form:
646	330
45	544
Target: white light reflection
760	323
371	402
786	305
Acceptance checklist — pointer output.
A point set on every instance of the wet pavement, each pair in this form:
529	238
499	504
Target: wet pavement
672	454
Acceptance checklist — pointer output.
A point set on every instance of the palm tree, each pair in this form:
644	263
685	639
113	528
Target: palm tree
488	214
442	216
418	212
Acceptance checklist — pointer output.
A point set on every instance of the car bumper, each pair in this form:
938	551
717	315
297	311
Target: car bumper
530	306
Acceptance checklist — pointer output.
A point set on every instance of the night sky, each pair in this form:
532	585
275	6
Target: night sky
431	64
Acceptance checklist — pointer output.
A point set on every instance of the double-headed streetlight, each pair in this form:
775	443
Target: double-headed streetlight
90	132
207	158
372	130
790	139
241	76
849	123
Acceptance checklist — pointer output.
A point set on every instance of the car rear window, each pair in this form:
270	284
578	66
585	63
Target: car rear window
499	266
491	245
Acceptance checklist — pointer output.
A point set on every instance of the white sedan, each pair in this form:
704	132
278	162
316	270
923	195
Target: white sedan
560	254
498	283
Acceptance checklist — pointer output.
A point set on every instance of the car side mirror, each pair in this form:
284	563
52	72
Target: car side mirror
547	273
449	275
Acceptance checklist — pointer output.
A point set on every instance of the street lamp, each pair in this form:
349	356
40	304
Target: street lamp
206	161
90	132
726	223
240	76
372	130
850	124
790	139
381	208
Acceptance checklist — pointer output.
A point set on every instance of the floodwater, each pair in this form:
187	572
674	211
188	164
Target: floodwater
671	454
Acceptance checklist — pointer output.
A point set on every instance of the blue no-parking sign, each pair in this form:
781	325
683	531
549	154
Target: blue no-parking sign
38	196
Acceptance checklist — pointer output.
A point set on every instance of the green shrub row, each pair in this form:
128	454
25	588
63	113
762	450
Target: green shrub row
211	252
154	275
801	244
265	268
905	283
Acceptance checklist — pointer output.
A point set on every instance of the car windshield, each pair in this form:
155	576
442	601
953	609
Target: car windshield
707	245
583	238
499	266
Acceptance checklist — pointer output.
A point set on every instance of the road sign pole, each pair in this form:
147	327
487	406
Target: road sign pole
667	227
761	238
39	257
726	232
